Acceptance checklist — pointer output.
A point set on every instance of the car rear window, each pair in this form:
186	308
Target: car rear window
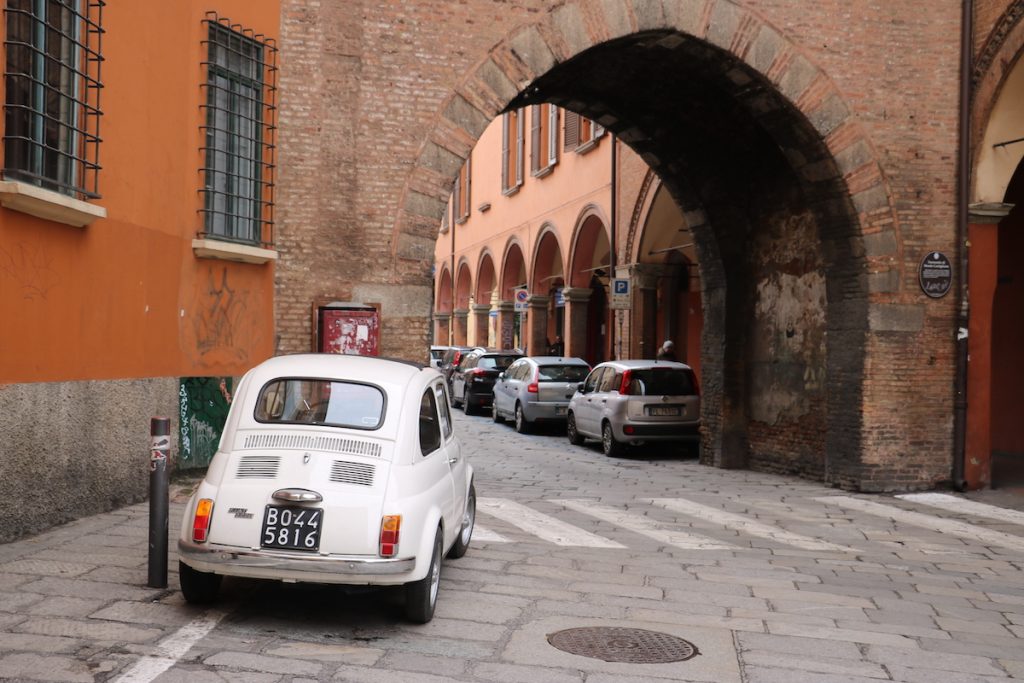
496	362
661	382
563	373
321	402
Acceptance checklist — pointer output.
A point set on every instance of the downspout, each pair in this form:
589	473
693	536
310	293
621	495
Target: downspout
613	211
963	194
451	316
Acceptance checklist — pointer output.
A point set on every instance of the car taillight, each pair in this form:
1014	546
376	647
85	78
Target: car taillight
627	377
533	387
201	522
389	528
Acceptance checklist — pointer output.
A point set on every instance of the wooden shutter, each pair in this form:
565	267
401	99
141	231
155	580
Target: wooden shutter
572	130
552	135
520	145
505	139
536	153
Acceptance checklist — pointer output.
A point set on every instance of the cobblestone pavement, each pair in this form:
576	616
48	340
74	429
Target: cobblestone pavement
770	578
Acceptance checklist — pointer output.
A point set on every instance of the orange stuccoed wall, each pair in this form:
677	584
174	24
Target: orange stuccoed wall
125	297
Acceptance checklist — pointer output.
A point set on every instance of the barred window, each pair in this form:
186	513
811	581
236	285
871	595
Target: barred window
238	184
52	83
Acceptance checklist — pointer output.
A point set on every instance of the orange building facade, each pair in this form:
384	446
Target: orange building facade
136	234
527	257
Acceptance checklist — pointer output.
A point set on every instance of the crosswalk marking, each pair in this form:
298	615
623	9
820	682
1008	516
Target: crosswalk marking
487	536
645	526
945	501
541	525
747	526
944	526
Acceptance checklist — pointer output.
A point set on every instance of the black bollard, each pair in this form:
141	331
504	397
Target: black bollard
160	449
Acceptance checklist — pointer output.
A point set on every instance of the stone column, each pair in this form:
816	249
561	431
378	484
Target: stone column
575	338
459	329
506	324
442	329
480	323
537	334
643	341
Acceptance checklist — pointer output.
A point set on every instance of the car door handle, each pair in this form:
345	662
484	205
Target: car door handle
453	460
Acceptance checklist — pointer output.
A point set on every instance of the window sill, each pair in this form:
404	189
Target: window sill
509	191
229	251
541	172
587	146
47	204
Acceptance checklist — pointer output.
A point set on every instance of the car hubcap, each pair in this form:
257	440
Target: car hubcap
467	521
572	427
607	440
519	417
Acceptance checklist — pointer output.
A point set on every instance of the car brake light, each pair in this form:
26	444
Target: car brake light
533	387
201	522
627	377
389	528
628	429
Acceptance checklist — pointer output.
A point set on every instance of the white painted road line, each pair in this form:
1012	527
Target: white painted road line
486	535
972	532
541	525
171	649
963	506
646	526
747	526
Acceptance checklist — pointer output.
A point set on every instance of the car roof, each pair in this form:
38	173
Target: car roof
552	360
635	364
372	369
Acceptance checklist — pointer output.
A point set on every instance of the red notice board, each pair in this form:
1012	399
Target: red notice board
352	331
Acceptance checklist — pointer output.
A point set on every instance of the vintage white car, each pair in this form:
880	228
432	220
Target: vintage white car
332	469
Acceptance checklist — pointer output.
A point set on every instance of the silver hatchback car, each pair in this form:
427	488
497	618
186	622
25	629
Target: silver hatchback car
631	402
537	389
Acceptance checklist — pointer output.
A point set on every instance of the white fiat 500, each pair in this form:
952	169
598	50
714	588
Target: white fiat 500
332	469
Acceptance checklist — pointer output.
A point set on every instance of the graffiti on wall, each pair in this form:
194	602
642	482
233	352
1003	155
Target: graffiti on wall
203	404
29	268
222	323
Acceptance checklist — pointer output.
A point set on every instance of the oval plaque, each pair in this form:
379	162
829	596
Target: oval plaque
936	275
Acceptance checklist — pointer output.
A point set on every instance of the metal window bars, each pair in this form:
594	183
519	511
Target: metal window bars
53	84
239	130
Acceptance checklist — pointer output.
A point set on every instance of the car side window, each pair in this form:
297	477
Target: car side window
522	370
592	380
446	416
430	432
610	382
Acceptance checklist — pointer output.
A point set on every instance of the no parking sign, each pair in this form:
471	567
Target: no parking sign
522	299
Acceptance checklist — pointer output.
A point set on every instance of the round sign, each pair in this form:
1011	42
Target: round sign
522	295
936	275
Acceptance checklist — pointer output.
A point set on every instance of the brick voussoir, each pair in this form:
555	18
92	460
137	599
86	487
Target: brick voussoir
617	19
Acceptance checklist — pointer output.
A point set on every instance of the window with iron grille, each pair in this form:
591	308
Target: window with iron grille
240	109
52	83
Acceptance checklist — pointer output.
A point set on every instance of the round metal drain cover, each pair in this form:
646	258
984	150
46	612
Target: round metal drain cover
631	645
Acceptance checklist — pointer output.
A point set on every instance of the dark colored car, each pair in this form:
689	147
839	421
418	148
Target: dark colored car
473	380
452	356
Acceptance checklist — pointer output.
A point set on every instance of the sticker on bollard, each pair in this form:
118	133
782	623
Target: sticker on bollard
160	448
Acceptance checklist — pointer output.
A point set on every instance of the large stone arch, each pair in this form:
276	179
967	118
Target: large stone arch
824	171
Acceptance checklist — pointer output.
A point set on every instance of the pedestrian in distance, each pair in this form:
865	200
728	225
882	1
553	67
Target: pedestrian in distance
557	348
667	351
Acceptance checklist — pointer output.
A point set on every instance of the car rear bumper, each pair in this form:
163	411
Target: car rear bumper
658	432
546	410
261	564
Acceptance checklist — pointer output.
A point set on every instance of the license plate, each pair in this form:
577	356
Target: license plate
661	411
291	527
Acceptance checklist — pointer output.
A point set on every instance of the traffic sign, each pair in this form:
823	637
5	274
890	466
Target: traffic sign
522	299
620	294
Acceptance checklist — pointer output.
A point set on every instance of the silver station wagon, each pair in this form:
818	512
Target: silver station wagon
332	469
632	402
537	389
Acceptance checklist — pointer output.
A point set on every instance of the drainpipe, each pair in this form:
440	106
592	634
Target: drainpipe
963	194
613	210
451	317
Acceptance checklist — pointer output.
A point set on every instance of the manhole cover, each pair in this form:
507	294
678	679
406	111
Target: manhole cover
631	645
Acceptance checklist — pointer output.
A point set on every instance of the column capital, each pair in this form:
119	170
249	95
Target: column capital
577	295
442	317
460	313
645	275
506	306
539	301
988	212
481	308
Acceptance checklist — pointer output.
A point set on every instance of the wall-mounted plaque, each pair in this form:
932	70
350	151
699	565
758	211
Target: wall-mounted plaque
936	275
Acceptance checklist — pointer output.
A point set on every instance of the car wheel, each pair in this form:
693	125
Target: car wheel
467	405
575	438
461	544
421	596
199	588
522	425
495	415
612	447
455	402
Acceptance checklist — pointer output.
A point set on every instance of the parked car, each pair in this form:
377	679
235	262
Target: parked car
452	357
473	380
332	469
631	402
437	355
537	389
